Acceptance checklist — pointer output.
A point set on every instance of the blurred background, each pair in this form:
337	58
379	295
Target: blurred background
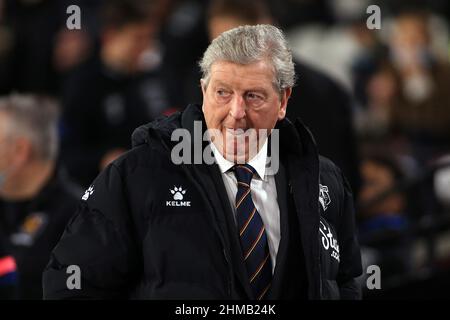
377	101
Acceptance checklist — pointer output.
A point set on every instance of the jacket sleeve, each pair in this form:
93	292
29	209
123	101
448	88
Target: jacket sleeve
8	273
97	246
350	265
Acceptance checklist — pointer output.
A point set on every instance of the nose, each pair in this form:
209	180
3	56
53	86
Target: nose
237	108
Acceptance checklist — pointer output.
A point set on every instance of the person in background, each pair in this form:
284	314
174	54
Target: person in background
184	38
8	273
36	47
36	200
420	111
115	91
319	101
384	223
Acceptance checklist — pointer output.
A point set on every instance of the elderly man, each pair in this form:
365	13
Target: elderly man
267	218
36	201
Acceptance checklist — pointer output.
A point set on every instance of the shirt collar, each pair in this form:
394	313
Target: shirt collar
258	162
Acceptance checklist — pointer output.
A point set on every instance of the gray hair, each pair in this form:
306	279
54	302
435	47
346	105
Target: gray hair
250	44
36	118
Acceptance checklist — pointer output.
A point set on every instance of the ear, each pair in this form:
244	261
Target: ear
203	86
283	103
23	151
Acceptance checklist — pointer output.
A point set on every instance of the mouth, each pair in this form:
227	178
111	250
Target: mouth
235	132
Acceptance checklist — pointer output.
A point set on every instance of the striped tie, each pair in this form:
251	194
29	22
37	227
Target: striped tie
252	234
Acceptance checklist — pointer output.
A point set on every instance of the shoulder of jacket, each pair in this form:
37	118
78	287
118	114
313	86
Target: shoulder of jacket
326	165
330	170
142	156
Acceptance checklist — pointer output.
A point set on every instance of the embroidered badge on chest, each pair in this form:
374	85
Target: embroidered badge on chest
88	193
324	197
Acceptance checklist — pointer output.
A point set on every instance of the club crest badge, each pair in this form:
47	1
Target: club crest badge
324	197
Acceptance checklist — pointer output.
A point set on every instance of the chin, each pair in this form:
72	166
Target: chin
235	153
236	158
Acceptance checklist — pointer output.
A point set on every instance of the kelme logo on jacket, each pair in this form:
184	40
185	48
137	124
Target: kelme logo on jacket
178	196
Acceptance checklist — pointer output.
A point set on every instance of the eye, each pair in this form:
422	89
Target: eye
254	97
222	93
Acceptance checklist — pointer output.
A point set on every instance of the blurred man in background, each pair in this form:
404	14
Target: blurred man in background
37	48
384	222
115	91
421	108
8	273
36	201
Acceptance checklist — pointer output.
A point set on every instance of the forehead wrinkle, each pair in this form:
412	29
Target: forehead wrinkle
261	66
241	80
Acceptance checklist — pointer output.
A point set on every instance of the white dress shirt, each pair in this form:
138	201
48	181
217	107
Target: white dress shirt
263	191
